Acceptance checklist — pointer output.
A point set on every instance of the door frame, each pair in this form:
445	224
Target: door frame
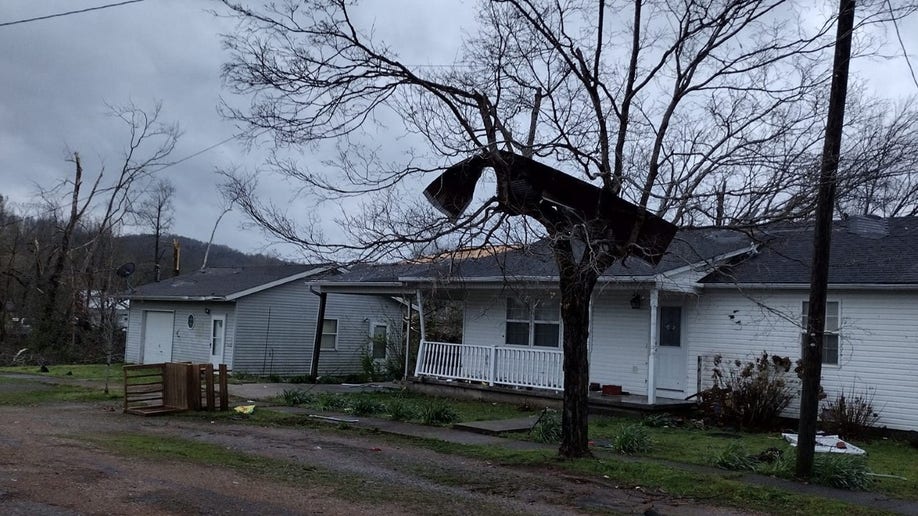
213	319
373	325
669	353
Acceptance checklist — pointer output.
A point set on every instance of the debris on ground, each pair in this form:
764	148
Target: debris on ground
828	444
245	409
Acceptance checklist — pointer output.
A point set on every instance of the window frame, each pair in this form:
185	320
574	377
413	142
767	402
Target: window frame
531	306
325	333
837	333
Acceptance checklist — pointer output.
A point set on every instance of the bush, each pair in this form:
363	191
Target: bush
661	420
296	397
438	413
748	396
840	470
735	458
849	415
401	410
366	407
328	401
631	439
547	429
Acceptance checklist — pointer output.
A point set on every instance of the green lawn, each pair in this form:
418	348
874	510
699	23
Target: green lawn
703	446
383	403
95	372
25	392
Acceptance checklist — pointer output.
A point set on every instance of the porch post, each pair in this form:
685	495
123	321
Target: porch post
422	348
652	356
407	337
421	314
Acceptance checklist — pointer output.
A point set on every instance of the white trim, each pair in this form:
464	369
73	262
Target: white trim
652	352
837	333
806	286
324	333
373	325
214	318
275	283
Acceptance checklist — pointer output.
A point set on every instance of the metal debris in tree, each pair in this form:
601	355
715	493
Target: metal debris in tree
527	187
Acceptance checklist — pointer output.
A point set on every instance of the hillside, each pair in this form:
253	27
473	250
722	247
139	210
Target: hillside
139	249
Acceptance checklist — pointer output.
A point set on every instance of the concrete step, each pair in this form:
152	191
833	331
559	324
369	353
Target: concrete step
499	426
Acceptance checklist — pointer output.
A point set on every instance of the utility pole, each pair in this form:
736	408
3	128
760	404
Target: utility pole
822	239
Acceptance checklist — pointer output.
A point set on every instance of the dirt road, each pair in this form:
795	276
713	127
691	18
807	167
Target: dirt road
57	459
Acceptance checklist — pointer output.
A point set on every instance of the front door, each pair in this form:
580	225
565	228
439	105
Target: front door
157	337
670	366
217	337
379	334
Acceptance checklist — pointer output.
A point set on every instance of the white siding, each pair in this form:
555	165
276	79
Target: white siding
188	344
878	345
485	317
619	341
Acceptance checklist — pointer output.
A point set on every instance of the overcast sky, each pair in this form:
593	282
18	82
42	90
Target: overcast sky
56	76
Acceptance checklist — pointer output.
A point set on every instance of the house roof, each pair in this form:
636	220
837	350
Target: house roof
226	283
864	251
535	261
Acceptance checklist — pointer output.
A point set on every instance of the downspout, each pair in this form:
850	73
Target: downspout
654	338
317	343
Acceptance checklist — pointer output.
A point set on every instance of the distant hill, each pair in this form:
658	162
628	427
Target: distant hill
139	249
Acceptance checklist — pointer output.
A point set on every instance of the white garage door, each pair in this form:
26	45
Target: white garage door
157	337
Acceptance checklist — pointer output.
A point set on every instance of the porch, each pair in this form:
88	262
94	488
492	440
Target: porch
516	374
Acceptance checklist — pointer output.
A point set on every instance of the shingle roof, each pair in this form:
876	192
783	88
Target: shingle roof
536	261
865	250
220	282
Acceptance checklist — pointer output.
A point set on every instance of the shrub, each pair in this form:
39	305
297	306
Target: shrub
401	410
547	429
849	415
750	395
735	458
366	407
631	439
840	470
294	397
660	420
328	401
301	378
438	413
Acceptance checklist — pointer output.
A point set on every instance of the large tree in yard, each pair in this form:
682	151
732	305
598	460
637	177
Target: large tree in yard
699	112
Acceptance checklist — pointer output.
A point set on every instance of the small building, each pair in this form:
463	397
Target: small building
655	330
257	320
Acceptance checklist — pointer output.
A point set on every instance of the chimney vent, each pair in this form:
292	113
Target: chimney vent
868	226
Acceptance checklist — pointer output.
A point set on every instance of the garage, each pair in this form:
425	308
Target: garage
157	336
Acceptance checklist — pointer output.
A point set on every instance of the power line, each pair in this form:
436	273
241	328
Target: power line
901	43
57	15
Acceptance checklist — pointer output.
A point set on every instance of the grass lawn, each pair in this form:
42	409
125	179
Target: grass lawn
703	446
404	405
25	392
95	372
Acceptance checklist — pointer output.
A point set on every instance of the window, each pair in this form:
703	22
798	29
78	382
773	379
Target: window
329	335
533	323
830	338
671	326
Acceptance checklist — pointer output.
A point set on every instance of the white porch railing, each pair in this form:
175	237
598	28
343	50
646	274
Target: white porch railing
494	365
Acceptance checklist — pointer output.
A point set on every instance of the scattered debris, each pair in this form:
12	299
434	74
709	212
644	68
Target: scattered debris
336	419
828	444
245	409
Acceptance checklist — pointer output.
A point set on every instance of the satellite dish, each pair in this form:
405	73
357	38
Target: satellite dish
125	270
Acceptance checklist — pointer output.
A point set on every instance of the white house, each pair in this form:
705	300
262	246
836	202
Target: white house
257	320
655	330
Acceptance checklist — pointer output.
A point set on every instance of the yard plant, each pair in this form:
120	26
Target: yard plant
748	395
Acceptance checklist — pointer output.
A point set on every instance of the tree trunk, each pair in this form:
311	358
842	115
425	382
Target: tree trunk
576	290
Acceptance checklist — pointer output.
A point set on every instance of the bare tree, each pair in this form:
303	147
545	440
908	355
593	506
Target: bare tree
155	213
98	209
694	111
